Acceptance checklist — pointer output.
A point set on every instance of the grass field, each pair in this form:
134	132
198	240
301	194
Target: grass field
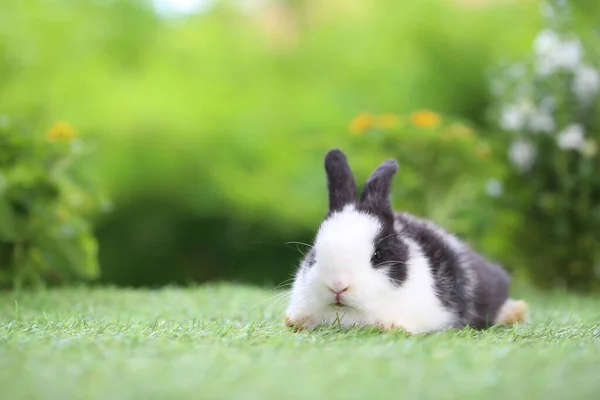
225	341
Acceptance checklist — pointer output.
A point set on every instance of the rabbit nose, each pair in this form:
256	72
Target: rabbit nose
338	289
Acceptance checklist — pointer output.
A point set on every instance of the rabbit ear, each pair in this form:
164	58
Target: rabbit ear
340	181
376	193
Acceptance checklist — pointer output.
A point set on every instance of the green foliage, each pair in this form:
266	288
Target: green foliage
548	106
212	128
222	161
44	233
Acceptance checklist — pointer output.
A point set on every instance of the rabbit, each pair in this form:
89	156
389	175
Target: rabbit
372	266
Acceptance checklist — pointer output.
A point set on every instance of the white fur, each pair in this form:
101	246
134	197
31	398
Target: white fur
457	246
344	246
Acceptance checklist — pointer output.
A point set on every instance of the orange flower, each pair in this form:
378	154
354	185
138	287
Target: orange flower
361	123
387	121
61	131
425	119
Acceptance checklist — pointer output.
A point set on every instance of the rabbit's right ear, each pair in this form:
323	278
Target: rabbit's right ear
376	193
340	181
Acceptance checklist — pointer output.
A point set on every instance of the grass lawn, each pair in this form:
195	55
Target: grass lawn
225	341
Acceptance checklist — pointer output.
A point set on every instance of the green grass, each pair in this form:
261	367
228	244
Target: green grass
224	341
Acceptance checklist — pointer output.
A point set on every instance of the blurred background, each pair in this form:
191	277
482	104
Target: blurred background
145	143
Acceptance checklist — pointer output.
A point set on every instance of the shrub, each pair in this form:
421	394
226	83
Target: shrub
44	233
547	106
444	164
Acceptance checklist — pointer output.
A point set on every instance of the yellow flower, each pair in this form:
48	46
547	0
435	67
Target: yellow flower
361	123
483	151
387	121
425	119
61	130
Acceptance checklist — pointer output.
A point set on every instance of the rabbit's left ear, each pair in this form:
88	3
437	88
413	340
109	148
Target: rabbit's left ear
340	181
376	193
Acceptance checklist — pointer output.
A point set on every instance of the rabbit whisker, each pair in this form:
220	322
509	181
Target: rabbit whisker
302	243
389	262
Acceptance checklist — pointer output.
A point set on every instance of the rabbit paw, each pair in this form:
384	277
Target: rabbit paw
298	324
391	327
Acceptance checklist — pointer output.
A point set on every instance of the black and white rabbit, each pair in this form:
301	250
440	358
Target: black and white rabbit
372	266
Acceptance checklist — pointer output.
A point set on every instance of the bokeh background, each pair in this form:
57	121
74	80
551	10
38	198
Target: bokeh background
177	142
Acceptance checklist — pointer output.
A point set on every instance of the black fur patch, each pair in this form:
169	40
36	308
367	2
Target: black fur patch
490	293
340	181
392	255
449	277
375	196
491	284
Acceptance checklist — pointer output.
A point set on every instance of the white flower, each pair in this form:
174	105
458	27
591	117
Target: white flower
553	54
545	42
493	187
524	115
513	118
522	154
548	104
547	10
586	83
540	121
570	54
571	138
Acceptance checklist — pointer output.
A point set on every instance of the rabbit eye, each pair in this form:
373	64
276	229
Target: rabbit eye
376	257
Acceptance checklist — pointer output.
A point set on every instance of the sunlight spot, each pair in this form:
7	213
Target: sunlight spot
181	7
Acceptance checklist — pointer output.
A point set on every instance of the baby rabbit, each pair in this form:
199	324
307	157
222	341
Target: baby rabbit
371	266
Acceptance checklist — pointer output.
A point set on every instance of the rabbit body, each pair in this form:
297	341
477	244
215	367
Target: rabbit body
372	266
